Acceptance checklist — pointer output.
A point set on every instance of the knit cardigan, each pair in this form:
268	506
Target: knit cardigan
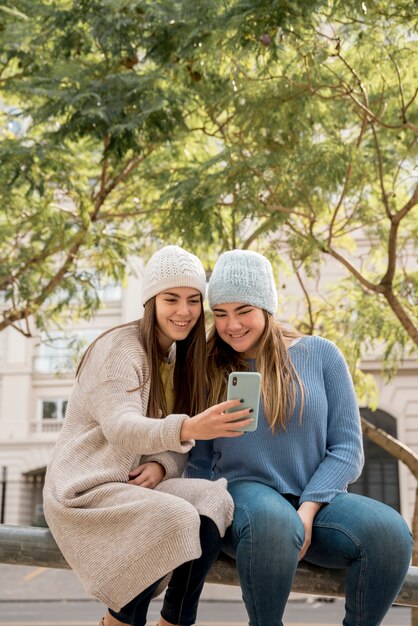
119	537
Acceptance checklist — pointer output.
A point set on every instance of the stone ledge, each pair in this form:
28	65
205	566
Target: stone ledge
33	546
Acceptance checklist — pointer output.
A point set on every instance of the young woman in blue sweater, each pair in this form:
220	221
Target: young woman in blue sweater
289	477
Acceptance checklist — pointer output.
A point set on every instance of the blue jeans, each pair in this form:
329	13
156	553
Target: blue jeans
182	595
368	538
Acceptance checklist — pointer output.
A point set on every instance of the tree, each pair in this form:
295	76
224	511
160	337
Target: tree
95	95
86	122
282	126
314	145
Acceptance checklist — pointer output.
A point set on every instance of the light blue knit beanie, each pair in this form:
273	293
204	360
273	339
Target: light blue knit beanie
243	276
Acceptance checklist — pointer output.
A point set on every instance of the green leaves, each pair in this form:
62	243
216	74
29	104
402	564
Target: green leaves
288	127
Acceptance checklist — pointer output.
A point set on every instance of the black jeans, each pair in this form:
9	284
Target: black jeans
183	592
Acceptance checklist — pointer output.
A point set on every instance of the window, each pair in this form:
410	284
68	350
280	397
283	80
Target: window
59	352
51	414
380	477
54	409
111	292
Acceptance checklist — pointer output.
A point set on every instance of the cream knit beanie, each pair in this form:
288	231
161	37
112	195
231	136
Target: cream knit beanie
172	267
243	276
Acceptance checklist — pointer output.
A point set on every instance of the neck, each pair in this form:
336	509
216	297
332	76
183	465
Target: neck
164	345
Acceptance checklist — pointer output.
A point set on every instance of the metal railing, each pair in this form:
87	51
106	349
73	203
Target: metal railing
28	545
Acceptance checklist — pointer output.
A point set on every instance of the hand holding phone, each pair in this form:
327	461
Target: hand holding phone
245	386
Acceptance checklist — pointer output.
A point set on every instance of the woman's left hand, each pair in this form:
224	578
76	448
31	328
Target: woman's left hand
147	475
307	512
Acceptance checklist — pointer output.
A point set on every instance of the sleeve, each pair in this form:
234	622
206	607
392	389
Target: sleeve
200	460
118	411
344	457
172	462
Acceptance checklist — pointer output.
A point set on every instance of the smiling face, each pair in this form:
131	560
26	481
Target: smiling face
240	326
177	311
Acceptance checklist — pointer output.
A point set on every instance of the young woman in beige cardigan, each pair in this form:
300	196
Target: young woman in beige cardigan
114	498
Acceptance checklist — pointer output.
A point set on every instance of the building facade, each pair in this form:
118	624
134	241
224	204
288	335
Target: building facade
36	377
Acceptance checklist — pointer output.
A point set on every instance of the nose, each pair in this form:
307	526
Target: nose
233	324
182	307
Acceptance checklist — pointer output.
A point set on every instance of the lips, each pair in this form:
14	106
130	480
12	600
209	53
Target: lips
239	336
180	324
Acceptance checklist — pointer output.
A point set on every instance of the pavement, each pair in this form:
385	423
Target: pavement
20	582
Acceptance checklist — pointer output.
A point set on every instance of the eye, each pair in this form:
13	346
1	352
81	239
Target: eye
170	300
197	301
219	314
245	311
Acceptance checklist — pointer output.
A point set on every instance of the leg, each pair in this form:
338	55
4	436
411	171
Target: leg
374	543
135	612
183	592
265	539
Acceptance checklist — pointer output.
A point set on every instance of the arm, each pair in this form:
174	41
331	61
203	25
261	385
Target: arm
112	372
118	411
344	459
173	463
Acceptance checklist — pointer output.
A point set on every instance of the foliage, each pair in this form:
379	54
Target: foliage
287	127
77	123
312	154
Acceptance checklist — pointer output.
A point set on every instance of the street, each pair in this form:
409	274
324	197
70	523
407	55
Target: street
211	613
35	596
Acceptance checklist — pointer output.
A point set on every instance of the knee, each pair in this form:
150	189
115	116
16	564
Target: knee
385	529
183	516
277	530
400	536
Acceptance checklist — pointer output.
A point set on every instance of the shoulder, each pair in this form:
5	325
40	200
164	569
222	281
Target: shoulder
314	342
318	348
117	352
120	340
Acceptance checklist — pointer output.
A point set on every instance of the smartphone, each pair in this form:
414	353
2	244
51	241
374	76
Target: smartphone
245	386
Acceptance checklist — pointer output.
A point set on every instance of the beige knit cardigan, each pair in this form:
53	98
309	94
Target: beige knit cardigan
118	537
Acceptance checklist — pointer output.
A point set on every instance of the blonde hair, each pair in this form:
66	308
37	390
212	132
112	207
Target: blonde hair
189	369
280	381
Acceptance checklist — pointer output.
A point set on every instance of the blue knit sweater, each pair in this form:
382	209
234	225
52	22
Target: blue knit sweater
314	459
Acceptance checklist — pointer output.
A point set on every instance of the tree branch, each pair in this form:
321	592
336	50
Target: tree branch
400	88
380	170
407	207
393	446
127	169
387	279
373	117
308	300
340	201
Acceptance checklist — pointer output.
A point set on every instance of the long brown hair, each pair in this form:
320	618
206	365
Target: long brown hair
280	381
189	369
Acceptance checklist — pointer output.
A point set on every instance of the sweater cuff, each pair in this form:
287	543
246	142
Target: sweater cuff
172	430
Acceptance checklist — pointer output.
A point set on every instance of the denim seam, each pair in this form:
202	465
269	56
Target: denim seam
255	604
363	565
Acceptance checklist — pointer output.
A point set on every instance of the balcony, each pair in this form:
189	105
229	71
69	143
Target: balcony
55	364
45	426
